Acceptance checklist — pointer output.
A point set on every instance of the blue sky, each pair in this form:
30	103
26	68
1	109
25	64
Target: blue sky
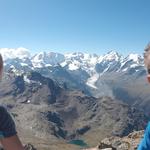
94	26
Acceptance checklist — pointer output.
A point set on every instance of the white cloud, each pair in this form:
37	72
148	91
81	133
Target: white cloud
15	53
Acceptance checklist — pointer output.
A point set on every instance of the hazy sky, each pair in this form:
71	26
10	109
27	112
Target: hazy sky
94	26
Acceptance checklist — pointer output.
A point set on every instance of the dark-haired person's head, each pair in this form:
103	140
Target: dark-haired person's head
1	66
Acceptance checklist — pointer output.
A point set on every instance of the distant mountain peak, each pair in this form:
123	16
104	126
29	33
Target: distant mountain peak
112	55
134	57
43	59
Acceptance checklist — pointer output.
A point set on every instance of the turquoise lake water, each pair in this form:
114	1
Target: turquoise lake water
78	142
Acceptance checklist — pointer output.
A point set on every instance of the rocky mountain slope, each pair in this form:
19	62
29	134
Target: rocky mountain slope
44	110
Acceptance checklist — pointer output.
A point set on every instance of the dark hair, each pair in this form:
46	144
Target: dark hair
1	64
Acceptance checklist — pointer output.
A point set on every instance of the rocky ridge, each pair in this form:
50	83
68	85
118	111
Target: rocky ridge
129	142
44	110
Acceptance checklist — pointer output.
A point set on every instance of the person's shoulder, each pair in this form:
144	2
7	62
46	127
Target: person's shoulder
148	124
2	109
148	128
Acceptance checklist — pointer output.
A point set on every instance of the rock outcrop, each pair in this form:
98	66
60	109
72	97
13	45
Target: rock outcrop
129	142
29	147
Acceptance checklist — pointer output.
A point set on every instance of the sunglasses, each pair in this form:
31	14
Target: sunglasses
148	70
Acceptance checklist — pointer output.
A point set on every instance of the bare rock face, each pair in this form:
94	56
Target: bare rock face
129	142
29	147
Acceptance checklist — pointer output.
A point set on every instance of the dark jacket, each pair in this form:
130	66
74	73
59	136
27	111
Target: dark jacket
7	125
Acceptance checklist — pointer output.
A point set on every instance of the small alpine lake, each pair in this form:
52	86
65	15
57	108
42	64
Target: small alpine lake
78	142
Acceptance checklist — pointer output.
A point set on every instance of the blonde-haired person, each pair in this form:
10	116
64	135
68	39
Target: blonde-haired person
8	134
145	142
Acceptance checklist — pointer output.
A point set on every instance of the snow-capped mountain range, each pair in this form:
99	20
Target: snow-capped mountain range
114	75
93	65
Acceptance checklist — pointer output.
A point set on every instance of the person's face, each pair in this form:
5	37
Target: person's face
147	65
148	75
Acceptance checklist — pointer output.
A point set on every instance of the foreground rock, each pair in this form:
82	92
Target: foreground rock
29	147
129	142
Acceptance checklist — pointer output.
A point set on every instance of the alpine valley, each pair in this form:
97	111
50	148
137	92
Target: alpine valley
56	98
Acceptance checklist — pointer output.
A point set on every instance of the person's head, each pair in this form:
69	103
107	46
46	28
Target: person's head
1	66
147	60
